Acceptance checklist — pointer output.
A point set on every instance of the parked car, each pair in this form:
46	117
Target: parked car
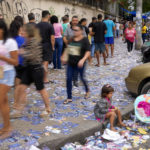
138	80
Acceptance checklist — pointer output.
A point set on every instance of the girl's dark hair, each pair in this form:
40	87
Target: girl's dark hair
19	19
3	27
106	89
82	20
54	19
14	28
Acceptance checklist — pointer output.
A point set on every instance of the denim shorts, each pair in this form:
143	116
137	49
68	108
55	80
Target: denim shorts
100	47
9	77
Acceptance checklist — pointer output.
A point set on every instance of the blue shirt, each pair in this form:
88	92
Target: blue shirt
110	24
20	41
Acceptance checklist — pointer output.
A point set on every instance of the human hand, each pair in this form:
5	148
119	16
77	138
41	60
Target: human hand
80	63
63	60
21	51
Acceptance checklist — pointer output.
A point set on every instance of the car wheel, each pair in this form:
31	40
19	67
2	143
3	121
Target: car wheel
146	88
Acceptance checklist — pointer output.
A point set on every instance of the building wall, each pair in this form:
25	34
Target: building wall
10	8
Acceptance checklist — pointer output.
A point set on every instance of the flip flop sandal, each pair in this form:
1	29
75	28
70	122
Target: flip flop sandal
67	101
15	114
97	65
45	113
87	95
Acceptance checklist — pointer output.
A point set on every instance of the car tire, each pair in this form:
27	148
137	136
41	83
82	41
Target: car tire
145	88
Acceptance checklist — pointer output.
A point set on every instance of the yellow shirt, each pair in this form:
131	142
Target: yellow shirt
144	30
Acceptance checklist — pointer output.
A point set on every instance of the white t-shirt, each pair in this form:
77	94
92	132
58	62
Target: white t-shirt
117	26
5	49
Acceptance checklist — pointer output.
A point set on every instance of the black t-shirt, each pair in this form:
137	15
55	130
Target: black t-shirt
77	50
91	25
99	29
46	30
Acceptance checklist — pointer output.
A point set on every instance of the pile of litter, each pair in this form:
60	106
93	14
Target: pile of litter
125	138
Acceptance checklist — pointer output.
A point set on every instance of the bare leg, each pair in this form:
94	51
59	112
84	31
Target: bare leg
104	57
4	109
119	118
111	116
17	82
98	57
45	97
112	50
107	50
21	96
45	64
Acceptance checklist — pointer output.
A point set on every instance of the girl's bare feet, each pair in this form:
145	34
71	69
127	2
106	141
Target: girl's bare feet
121	125
113	129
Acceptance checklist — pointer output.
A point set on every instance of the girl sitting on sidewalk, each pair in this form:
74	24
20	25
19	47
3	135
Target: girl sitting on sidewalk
105	110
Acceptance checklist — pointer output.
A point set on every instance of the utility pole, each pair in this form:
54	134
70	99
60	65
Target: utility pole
138	42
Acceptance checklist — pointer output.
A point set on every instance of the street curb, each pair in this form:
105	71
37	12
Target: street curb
80	136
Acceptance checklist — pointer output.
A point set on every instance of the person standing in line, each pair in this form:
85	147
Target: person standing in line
94	20
78	53
83	23
33	71
58	42
14	31
144	32
48	41
8	59
117	30
109	36
31	18
68	35
99	31
65	25
130	34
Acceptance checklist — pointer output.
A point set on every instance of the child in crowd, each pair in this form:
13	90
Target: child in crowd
105	110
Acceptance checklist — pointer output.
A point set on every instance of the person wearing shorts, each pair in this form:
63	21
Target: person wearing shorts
99	30
109	36
33	70
48	41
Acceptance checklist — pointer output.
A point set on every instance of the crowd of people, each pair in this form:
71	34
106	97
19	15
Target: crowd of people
26	50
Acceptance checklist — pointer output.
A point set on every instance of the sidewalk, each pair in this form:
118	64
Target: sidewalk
76	120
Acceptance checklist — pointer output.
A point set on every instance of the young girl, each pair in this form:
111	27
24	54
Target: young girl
105	110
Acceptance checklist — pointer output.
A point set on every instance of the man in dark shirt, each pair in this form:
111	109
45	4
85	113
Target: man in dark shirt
99	30
31	18
94	20
48	41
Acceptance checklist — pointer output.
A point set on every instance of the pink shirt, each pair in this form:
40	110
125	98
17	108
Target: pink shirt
58	30
130	34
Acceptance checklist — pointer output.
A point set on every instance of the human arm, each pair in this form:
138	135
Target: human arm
53	42
13	60
86	47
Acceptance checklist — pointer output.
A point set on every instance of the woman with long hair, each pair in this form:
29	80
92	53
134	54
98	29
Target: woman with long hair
8	59
33	71
77	52
14	32
58	42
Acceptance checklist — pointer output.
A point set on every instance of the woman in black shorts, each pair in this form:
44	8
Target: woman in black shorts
33	71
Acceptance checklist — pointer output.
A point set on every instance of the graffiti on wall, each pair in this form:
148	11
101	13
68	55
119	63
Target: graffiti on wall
10	8
19	8
38	14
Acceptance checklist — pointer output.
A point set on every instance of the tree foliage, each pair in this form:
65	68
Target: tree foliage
127	3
